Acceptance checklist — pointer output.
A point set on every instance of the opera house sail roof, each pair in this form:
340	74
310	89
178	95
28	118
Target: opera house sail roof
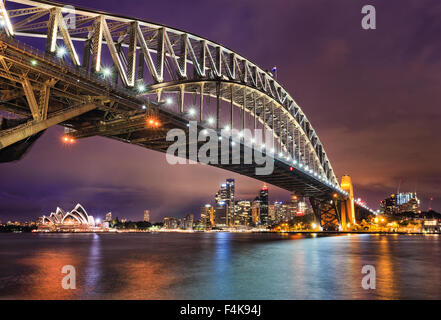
77	217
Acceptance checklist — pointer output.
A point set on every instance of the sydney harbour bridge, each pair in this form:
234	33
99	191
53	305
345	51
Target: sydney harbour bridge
101	74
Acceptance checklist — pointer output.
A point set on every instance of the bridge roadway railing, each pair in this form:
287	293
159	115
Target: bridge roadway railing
74	70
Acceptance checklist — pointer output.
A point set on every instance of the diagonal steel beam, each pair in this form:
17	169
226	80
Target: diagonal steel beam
28	129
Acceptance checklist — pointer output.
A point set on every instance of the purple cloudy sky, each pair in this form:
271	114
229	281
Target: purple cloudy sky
373	96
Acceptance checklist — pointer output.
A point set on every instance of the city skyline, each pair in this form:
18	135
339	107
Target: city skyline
109	176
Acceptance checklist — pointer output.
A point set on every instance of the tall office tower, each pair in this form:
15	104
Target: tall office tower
188	221
147	215
389	205
108	217
207	216
255	212
225	197
242	214
263	198
293	206
220	216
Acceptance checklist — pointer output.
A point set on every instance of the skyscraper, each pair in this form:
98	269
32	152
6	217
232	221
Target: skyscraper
147	215
225	199
263	197
108	217
207	216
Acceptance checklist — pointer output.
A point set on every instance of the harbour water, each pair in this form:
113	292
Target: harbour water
219	266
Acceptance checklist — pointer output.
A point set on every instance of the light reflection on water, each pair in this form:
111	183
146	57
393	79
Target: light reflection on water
218	266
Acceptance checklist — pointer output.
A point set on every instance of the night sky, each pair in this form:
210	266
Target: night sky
373	97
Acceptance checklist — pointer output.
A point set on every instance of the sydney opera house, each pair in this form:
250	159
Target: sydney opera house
75	220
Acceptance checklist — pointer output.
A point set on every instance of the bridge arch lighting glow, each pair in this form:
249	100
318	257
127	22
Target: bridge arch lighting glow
168	101
210	120
106	72
61	51
141	87
192	112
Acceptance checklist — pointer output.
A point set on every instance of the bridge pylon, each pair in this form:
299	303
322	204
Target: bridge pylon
347	205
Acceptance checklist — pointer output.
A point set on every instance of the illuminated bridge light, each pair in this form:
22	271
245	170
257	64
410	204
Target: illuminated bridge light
34	62
192	112
106	72
153	122
168	101
210	120
61	52
144	107
67	139
141	87
291	168
227	128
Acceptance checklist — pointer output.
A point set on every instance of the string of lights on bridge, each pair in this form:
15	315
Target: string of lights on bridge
106	72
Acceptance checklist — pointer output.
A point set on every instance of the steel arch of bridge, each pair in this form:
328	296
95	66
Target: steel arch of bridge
176	61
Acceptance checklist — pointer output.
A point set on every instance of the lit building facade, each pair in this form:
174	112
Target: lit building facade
207	216
263	198
400	203
225	198
147	215
76	220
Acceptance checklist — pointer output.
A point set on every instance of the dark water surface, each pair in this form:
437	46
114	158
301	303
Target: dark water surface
219	266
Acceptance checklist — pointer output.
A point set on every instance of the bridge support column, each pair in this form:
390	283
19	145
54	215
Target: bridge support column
347	205
326	212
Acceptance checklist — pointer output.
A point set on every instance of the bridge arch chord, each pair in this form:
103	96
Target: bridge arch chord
170	55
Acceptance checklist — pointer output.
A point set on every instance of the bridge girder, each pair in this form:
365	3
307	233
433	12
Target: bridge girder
43	88
170	55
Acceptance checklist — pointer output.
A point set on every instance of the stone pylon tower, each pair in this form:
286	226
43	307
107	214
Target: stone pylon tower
347	206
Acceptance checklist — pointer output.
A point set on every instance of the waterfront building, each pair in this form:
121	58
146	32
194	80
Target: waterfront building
221	216
431	226
225	197
255	212
170	223
400	203
263	198
77	219
302	208
108	217
271	214
282	212
242	214
188	222
147	215
207	216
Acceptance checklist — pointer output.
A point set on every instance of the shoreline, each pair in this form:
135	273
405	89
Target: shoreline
220	231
